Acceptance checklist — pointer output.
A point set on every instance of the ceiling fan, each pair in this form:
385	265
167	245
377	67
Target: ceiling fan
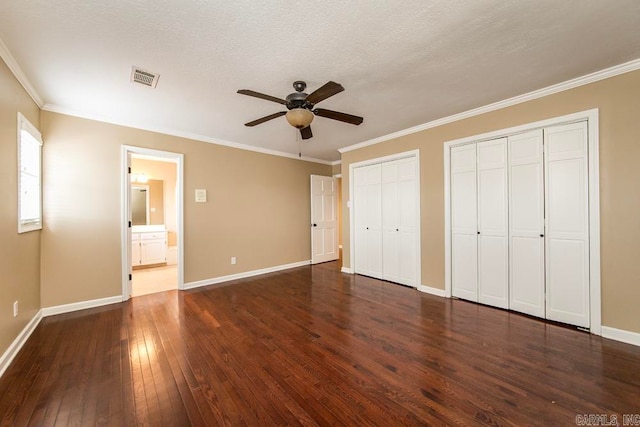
301	107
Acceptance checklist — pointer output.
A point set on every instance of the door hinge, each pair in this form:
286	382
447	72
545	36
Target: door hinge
129	224
129	169
130	277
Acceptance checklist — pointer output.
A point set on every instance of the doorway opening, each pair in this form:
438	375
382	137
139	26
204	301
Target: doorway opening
153	224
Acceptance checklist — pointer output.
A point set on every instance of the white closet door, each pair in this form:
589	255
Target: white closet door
368	220
360	219
390	222
567	224
493	245
374	220
526	224
464	229
407	208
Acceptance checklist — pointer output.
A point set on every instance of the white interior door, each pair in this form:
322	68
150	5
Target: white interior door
567	224
324	223
526	224
464	226
367	206
386	220
408	215
493	245
374	220
359	210
390	222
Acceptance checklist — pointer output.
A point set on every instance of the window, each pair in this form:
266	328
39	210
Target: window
29	176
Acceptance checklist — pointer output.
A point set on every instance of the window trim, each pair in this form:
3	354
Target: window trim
25	125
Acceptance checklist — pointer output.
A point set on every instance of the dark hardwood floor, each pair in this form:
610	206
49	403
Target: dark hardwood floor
312	346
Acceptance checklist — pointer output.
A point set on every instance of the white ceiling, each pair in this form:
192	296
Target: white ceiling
402	62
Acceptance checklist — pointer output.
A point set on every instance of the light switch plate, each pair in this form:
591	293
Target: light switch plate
201	196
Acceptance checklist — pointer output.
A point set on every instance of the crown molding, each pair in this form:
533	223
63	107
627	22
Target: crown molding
616	70
540	93
187	135
8	58
19	74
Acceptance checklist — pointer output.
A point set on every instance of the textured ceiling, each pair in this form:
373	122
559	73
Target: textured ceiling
402	62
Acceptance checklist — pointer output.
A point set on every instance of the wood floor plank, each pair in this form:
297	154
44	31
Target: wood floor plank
312	346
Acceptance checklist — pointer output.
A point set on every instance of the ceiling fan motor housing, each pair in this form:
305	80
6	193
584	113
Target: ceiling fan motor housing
298	100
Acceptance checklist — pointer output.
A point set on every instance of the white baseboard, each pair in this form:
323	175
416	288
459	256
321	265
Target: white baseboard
16	345
621	335
244	275
82	305
433	291
346	270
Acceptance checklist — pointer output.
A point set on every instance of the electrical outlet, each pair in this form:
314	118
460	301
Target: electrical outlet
233	260
15	308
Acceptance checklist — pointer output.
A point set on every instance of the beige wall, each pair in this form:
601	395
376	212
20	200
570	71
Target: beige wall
19	253
258	207
167	172
618	99
156	202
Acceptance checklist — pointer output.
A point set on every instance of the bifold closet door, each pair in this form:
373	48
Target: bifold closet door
567	224
400	222
390	222
408	221
368	220
493	245
359	206
526	224
464	225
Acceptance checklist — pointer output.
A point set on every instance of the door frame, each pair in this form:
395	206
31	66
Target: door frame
125	250
377	160
592	119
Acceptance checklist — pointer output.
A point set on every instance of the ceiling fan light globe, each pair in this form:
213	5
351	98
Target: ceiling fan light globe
299	117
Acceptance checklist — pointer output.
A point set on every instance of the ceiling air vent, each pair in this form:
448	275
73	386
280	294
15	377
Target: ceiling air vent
143	77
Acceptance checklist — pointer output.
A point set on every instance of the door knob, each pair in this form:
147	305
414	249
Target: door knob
542	235
315	225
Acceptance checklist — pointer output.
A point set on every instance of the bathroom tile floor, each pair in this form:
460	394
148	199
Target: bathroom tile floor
156	279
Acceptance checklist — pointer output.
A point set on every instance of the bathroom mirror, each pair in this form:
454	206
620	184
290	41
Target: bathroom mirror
139	204
147	203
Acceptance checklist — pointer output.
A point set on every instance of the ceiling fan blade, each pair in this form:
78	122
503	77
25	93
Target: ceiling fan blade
266	118
335	115
306	132
324	92
261	96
